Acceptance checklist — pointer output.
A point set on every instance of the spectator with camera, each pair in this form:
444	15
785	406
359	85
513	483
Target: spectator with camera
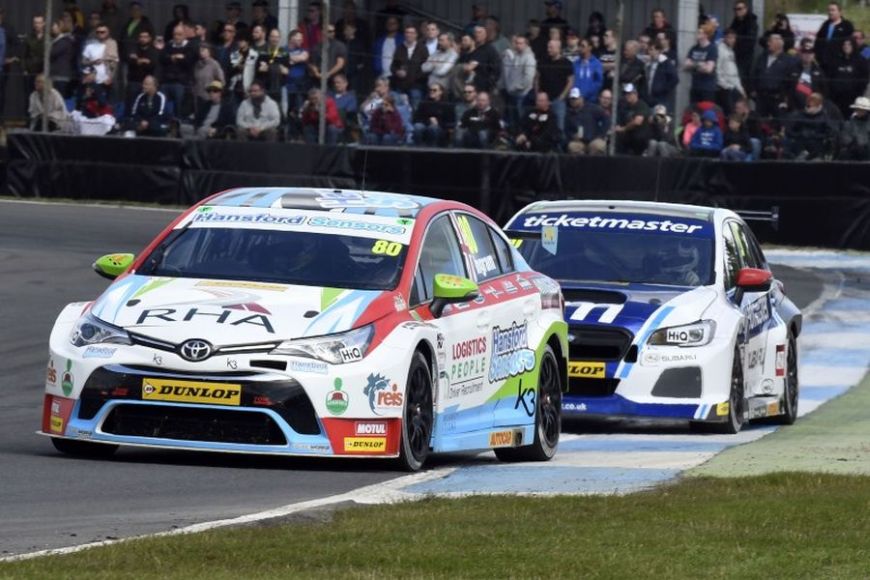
386	126
663	140
310	118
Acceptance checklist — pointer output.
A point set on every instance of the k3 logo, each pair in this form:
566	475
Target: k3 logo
526	399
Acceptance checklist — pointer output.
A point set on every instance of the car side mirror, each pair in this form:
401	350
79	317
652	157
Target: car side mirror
113	265
754	280
451	290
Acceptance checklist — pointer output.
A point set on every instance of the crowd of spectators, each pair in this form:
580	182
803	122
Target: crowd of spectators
394	80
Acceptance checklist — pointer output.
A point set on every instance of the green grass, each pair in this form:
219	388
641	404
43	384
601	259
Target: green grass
833	439
859	15
783	526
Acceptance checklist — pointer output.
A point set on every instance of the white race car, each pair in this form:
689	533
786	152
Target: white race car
672	311
314	322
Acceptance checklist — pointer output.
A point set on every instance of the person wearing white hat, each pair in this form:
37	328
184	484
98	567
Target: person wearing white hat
855	137
632	123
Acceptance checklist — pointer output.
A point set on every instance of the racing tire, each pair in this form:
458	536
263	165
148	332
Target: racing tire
84	448
792	386
736	415
548	416
418	416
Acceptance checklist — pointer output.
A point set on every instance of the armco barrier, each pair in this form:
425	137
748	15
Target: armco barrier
820	204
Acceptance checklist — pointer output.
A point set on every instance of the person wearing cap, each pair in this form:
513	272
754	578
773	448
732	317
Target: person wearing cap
632	129
707	141
662	141
807	77
519	68
586	126
554	18
216	118
701	62
205	72
540	133
661	77
588	72
855	137
556	78
730	88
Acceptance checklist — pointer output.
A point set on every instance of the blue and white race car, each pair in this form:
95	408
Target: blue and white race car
673	312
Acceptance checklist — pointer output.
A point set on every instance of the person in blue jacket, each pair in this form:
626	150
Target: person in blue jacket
588	72
707	140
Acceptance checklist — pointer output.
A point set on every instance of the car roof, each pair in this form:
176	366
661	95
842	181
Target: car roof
621	206
323	199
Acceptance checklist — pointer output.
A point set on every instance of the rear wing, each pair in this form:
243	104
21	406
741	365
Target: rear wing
771	217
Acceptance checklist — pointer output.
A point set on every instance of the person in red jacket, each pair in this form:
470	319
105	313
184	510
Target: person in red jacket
386	127
311	118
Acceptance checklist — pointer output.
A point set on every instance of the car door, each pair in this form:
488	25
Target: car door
756	309
461	334
508	316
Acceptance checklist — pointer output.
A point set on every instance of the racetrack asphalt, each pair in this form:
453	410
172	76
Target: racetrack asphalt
48	500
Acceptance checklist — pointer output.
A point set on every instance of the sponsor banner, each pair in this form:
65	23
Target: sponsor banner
653	358
56	413
315	367
615	222
383	394
337	400
99	352
392	229
177	391
365	444
241	284
506	438
364	428
511	355
586	370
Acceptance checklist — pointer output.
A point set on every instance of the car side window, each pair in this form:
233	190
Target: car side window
503	251
746	257
755	248
475	235
732	258
440	254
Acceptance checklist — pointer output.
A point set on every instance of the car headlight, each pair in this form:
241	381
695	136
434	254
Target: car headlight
695	334
91	330
335	349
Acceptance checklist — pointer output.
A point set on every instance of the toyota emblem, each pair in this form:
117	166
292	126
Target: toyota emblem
195	350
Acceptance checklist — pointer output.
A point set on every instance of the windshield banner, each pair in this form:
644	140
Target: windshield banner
392	229
615	222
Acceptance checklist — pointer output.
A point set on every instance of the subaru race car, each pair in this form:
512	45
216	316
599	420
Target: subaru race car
672	311
314	322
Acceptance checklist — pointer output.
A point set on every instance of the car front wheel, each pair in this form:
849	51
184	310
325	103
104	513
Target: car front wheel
418	417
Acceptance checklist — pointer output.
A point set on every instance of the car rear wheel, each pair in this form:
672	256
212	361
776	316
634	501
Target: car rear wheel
418	416
548	416
84	448
792	387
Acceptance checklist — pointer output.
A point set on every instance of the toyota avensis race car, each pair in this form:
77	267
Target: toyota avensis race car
315	322
672	311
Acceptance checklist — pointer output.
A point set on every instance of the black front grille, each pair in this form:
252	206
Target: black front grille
194	424
598	344
592	387
285	397
594	296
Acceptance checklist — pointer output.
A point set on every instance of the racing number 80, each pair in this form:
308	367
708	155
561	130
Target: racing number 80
384	247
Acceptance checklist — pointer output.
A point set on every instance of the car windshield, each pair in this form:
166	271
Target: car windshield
287	257
649	253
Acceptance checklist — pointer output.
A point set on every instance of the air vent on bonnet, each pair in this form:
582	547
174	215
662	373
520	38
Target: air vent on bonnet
596	296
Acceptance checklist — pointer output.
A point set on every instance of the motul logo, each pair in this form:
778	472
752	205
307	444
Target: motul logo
371	428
